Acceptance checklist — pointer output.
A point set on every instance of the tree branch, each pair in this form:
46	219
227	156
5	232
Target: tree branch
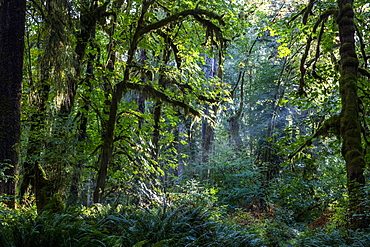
173	47
331	123
362	46
364	72
302	68
162	96
324	17
308	11
178	16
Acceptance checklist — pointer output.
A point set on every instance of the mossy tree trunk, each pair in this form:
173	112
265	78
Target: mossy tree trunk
350	127
12	26
55	17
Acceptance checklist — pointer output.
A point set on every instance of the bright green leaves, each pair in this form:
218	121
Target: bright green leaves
283	51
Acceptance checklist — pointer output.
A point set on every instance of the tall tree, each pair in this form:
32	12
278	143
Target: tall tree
12	26
349	119
52	49
144	28
210	70
348	124
61	59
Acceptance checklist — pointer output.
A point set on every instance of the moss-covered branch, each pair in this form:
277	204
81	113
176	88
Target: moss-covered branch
330	125
308	11
302	66
162	96
178	16
362	46
323	17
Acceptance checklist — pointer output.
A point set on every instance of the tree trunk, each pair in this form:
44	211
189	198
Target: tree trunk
350	127
12	26
107	149
31	168
141	97
234	120
157	112
234	131
207	138
33	173
210	71
85	36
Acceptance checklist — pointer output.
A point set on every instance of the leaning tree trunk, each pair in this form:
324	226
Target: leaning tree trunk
107	147
350	127
12	25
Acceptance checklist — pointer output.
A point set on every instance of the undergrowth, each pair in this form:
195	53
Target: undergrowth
99	225
183	225
191	217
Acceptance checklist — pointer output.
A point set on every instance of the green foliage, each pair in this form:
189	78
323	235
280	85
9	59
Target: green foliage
3	168
338	237
256	194
46	229
193	192
185	225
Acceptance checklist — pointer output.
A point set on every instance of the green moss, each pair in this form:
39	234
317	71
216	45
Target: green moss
359	162
347	47
353	154
345	20
349	30
348	8
334	123
350	61
349	116
348	80
333	120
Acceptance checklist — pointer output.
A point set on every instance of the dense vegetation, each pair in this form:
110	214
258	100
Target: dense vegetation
185	123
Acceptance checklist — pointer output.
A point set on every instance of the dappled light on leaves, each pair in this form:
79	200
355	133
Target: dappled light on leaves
189	123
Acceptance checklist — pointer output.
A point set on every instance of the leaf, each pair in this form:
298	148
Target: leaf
141	243
283	51
269	139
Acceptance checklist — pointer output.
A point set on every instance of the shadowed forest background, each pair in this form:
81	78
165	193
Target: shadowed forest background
184	123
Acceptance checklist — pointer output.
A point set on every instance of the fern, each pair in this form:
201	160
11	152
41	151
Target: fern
186	225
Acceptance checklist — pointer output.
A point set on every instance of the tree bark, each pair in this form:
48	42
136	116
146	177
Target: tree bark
350	127
12	26
235	118
32	173
141	97
210	71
